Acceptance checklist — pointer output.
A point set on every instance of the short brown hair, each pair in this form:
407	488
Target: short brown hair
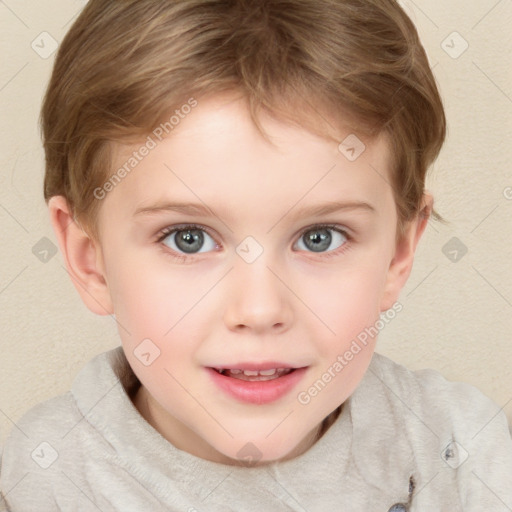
124	65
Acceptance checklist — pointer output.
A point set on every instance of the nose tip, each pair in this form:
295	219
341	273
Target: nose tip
256	301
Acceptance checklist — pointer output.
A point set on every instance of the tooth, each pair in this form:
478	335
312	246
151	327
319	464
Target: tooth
268	372
251	373
235	372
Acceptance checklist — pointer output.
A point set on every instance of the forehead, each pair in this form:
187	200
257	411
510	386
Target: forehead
217	156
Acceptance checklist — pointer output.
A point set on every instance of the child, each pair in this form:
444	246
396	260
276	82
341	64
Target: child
241	184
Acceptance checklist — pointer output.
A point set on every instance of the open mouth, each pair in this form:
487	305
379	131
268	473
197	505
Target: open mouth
255	383
254	375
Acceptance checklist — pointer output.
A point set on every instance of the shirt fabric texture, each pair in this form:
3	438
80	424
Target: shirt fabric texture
404	441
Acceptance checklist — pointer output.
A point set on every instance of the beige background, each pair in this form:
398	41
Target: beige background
457	315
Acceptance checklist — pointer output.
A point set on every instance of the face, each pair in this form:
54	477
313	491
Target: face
240	273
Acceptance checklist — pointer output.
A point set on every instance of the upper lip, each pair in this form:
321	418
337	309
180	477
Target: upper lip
266	365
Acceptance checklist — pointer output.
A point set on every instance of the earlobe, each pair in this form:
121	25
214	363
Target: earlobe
82	256
401	264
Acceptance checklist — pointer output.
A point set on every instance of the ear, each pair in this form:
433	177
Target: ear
401	264
82	256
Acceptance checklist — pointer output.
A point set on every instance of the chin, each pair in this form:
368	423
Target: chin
260	451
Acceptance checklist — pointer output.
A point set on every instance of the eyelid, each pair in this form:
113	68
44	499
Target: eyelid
336	227
168	230
326	254
165	232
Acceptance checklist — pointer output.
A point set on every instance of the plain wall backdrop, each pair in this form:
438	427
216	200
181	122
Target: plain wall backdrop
457	305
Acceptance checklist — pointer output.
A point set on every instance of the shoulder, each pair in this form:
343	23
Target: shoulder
50	440
52	417
446	428
34	444
57	417
450	404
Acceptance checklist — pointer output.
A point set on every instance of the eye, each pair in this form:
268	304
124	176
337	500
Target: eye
189	240
321	239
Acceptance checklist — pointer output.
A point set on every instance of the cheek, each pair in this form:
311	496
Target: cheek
158	311
344	301
151	299
166	311
348	305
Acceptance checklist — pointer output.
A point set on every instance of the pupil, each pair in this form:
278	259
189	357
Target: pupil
318	240
189	241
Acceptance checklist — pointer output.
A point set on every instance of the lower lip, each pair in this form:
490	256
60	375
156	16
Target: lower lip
257	392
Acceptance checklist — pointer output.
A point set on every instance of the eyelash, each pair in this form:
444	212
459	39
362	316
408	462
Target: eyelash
164	233
335	252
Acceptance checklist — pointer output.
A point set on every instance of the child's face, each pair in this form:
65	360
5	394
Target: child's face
290	257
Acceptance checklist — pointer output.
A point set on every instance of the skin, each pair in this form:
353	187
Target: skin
213	308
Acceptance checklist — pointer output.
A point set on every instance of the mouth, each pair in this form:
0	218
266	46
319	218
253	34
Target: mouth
254	375
257	383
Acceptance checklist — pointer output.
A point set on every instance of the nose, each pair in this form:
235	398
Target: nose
257	301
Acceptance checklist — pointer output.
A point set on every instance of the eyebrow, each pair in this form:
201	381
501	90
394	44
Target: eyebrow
334	206
186	208
309	211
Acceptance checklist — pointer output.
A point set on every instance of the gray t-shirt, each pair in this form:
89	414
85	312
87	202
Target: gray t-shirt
404	441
